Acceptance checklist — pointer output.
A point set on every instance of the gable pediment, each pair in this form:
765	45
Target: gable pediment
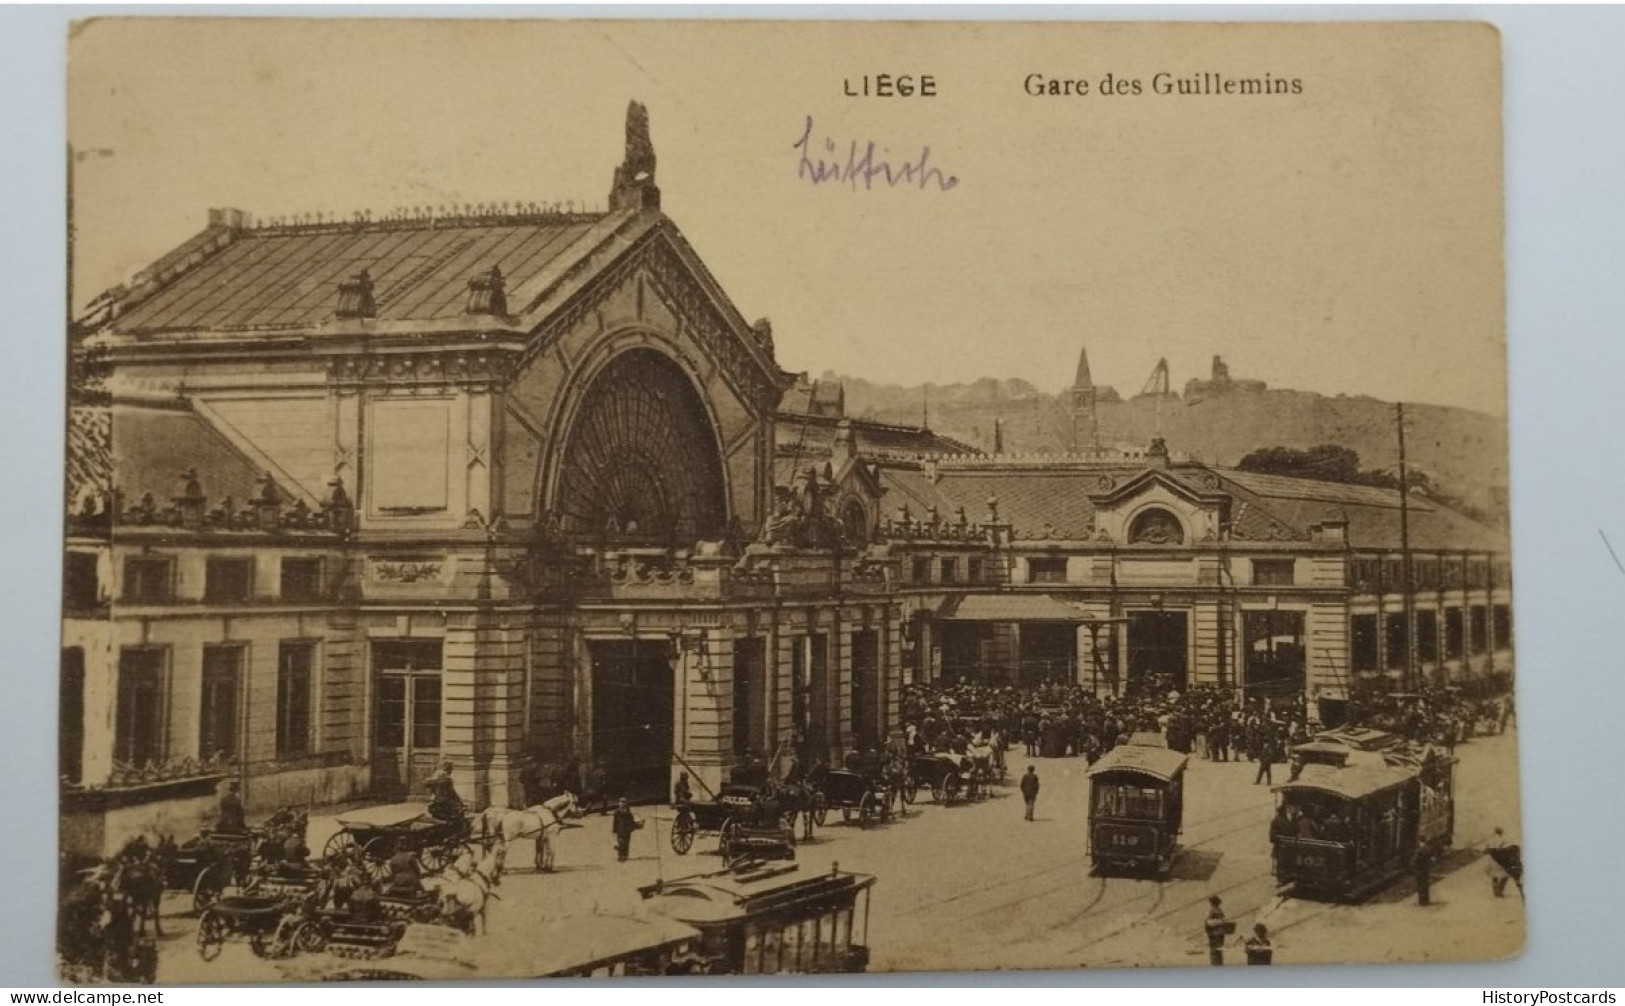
1157	507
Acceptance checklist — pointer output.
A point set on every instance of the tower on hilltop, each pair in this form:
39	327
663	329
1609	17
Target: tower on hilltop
1081	399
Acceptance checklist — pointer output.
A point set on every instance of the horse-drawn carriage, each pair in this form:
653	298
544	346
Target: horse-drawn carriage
951	778
274	926
436	843
750	822
864	797
214	862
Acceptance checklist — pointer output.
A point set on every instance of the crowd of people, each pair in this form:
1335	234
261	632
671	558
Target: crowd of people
1061	720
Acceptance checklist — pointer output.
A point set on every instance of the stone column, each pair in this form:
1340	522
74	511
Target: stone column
704	733
101	700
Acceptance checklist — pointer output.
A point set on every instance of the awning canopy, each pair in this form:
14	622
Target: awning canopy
1010	608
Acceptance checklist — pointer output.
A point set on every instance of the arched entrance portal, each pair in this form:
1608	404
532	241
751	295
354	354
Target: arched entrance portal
640	459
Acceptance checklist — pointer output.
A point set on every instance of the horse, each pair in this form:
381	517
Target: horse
461	901
500	826
136	877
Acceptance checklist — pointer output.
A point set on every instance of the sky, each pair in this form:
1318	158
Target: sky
1345	239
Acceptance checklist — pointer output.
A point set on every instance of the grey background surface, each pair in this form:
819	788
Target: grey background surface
1565	135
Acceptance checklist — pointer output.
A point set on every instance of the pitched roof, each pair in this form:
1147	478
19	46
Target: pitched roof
1263	507
287	277
150	447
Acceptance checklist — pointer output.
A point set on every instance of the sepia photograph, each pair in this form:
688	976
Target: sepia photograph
630	498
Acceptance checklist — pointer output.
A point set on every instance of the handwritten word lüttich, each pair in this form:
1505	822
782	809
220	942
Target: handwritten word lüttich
865	165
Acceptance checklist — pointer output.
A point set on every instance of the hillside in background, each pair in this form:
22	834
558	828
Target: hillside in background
1463	453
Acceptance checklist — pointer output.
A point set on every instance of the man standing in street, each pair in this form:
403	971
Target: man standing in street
624	825
1217	927
1422	866
1266	754
1029	790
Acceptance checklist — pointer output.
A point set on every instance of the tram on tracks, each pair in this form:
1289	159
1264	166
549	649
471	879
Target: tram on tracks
1136	807
1358	813
774	919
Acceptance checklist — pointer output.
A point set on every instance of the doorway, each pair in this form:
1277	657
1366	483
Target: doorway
632	709
406	714
1158	651
1049	653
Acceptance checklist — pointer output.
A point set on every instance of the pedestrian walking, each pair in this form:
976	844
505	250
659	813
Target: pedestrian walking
623	826
1266	755
1259	948
1217	927
1422	867
1505	864
1029	790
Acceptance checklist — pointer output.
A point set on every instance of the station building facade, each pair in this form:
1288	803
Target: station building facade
508	483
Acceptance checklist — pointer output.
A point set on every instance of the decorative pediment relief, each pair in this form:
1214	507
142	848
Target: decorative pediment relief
1160	509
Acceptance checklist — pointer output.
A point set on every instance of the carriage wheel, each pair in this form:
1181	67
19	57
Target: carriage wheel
682	832
938	790
211	935
907	793
211	882
820	810
338	845
375	857
434	859
868	809
949	789
309	938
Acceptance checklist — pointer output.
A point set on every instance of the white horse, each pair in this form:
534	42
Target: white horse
499	827
461	900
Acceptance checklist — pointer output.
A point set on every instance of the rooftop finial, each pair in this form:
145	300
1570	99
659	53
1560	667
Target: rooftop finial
635	179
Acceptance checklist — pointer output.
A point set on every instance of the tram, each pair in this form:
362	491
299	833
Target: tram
1357	816
773	919
1136	807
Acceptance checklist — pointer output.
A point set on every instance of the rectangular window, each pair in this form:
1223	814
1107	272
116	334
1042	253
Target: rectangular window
1478	572
973	570
922	570
148	580
1367	574
1273	572
139	737
81	588
1453	634
301	579
294	678
1426	573
1427	636
228	580
1363	642
1394	641
1478	632
408	692
217	724
1046	570
1503	627
950	570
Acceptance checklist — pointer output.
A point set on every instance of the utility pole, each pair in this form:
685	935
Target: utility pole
1406	584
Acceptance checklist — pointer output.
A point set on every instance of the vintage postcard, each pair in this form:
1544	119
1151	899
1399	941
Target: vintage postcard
1100	559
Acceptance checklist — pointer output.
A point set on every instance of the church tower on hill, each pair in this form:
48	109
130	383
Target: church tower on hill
1081	400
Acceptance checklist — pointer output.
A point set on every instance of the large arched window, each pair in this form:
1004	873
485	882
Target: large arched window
1156	526
640	459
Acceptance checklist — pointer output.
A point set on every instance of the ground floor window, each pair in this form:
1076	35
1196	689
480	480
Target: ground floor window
294	680
1478	635
71	715
1427	636
222	682
138	737
408	693
1394	641
1453	634
1503	626
1276	654
1363	642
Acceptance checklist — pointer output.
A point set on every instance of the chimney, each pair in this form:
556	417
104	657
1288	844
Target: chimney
487	294
355	297
634	187
228	219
